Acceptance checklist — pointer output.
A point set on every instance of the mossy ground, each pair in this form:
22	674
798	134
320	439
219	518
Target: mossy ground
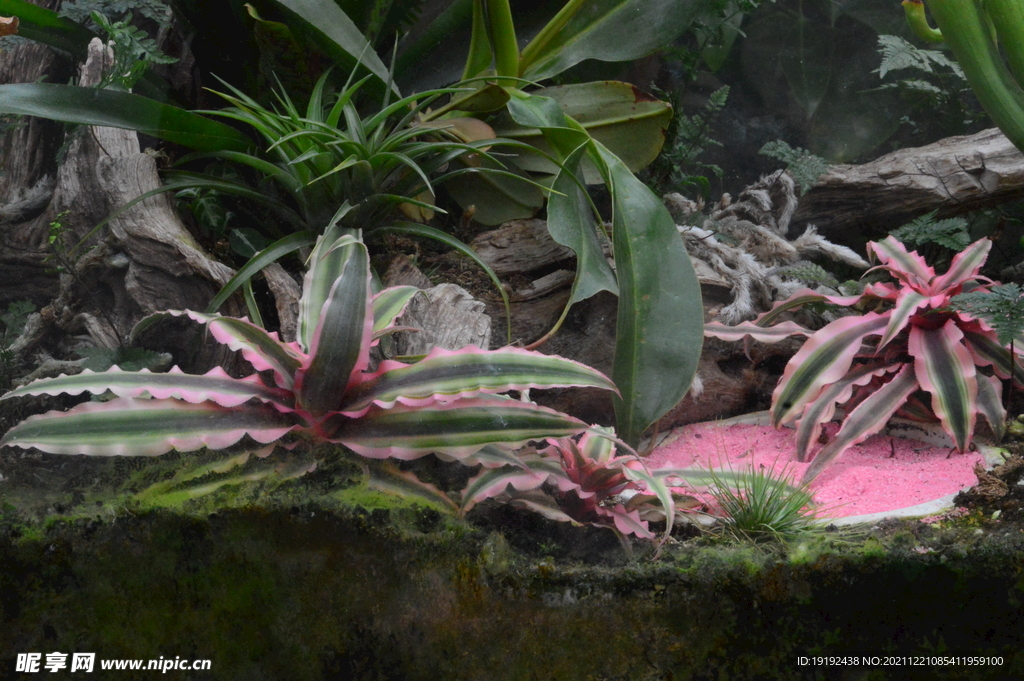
272	576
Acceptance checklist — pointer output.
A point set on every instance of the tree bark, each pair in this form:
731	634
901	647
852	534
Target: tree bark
954	175
144	261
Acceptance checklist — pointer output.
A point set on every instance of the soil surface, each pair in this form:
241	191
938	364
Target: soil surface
881	474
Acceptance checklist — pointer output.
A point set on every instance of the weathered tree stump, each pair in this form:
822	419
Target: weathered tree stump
144	261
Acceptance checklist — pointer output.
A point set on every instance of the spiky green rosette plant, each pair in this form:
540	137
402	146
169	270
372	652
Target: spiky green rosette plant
320	387
580	482
924	345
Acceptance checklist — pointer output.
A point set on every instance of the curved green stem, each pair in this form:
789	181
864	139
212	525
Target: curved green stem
918	22
966	29
503	39
542	39
1008	19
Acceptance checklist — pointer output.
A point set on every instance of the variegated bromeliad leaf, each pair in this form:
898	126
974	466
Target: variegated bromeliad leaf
928	358
320	387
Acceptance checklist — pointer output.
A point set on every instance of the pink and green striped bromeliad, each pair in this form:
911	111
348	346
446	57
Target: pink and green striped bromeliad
930	362
320	388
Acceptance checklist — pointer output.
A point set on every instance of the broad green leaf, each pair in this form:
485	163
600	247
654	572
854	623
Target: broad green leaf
214	386
946	370
495	197
47	27
341	342
1008	19
111	108
130	427
428	58
629	122
336	34
608	30
967	29
456	429
868	418
660	326
444	375
823	359
571	223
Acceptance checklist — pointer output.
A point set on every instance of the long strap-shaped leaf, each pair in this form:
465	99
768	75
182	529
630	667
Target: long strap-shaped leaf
214	386
990	403
257	262
986	350
115	109
902	263
130	427
823	407
457	428
769	334
945	369
867	419
445	375
966	265
908	302
340	346
536	471
48	27
389	304
263	350
799	298
326	263
823	359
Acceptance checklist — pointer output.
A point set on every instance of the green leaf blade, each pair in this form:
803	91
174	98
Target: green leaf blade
444	375
129	427
457	429
111	108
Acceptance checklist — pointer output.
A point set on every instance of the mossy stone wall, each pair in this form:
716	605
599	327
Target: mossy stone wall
305	594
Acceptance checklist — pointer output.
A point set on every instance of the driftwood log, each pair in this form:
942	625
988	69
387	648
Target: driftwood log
954	175
445	316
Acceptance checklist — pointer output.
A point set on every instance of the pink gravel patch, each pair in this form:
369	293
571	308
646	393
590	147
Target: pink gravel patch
880	474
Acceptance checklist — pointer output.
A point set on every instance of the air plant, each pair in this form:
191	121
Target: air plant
925	364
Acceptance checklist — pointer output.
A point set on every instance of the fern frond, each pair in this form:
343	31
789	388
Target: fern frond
950	233
808	272
804	167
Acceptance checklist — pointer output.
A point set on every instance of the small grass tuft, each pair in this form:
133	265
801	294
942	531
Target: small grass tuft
764	506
